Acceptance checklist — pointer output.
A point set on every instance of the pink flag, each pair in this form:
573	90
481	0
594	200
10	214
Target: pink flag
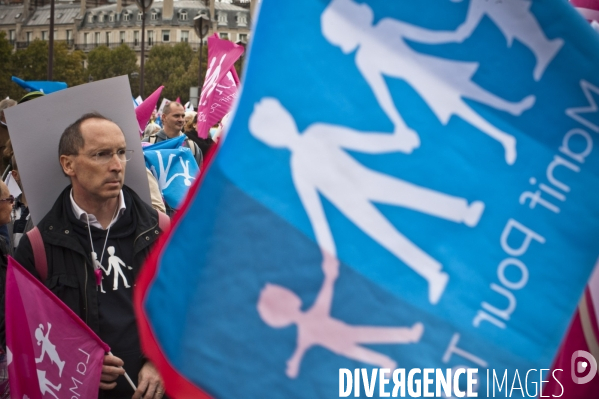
50	349
144	110
220	85
178	100
579	352
588	8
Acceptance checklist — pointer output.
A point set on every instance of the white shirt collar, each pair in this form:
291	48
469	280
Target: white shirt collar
93	221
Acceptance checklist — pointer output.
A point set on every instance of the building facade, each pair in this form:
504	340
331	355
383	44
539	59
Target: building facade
166	22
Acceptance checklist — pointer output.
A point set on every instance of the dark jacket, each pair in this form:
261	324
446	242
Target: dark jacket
70	270
204	144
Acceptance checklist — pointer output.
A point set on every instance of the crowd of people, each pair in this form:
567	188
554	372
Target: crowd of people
98	222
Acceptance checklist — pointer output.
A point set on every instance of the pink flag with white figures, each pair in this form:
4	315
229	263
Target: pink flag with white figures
145	109
221	83
588	8
51	351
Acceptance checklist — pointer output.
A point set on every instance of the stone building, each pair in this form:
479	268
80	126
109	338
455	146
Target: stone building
167	22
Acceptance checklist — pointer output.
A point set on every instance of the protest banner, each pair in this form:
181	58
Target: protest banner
403	186
589	9
143	112
580	346
580	349
46	87
52	352
173	166
220	85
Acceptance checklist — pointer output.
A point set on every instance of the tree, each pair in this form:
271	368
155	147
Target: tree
124	60
7	87
104	63
165	66
32	63
68	66
99	63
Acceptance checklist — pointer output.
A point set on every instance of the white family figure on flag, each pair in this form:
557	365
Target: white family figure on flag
211	80
383	52
229	76
162	176
98	265
114	264
45	384
280	307
317	156
514	19
48	348
163	182
186	175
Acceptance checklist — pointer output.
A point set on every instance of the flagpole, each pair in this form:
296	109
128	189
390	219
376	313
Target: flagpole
127	376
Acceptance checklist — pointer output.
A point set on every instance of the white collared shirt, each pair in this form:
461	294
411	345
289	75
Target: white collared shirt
93	221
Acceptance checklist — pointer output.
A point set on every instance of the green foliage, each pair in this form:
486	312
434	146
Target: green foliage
166	65
124	60
99	63
175	67
68	66
7	87
104	63
32	63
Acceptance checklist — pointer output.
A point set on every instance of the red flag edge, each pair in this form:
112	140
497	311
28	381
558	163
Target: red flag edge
176	385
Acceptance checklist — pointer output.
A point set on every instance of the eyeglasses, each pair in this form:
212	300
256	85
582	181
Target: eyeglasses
105	156
10	199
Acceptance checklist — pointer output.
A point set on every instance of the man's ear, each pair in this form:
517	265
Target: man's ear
67	164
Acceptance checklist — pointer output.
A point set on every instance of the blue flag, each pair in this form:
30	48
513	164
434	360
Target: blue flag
407	185
173	166
44	86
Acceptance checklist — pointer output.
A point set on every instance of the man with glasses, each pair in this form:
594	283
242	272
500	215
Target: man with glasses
95	213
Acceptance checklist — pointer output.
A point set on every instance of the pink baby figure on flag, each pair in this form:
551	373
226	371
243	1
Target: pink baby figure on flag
114	264
97	271
45	384
382	51
279	307
321	166
48	348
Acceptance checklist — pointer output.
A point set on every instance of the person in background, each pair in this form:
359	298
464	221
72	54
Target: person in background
173	118
189	116
151	129
6	203
203	144
4	104
21	221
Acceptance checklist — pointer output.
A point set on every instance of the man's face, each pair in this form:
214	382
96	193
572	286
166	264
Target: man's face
174	120
91	178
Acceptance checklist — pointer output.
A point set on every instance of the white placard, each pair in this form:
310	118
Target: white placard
35	128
